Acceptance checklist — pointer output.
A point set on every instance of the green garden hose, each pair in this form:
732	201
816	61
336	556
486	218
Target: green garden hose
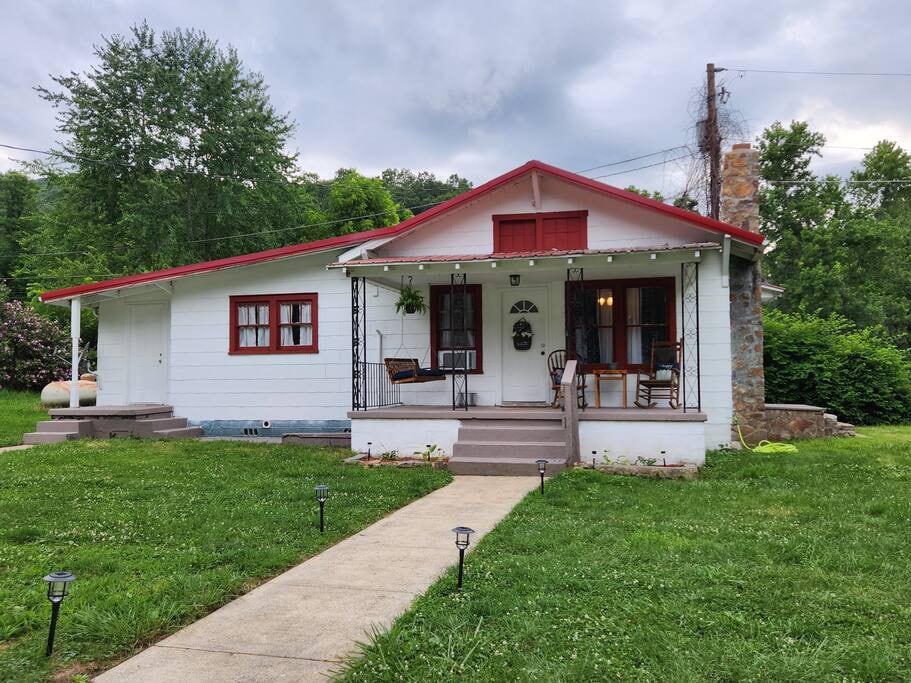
765	446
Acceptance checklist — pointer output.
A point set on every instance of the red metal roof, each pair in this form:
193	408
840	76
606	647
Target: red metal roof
403	227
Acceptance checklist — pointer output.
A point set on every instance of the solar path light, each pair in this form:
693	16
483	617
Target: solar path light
322	495
58	584
542	468
463	538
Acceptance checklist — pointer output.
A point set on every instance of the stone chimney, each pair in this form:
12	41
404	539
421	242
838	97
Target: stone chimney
740	187
740	207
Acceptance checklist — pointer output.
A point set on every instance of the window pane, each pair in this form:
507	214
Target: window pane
451	322
639	342
262	336
606	307
646	306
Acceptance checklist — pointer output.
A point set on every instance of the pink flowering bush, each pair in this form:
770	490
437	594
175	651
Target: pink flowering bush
33	349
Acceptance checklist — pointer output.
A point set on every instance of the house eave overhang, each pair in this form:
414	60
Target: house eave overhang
542	259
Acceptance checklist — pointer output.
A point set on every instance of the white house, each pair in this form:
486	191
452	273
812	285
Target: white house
294	339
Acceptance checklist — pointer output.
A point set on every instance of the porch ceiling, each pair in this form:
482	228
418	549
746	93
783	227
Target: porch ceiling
554	259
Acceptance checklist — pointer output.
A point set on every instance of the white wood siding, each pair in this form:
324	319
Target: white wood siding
113	343
611	223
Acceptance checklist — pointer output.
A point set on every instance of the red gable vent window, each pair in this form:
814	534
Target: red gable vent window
540	231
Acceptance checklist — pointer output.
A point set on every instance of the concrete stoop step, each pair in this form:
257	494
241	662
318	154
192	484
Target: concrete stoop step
834	427
84	423
509	447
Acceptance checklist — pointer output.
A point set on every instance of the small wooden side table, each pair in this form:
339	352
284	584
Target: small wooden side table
608	375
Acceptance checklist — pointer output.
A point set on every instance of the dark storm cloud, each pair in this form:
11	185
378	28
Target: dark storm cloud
479	87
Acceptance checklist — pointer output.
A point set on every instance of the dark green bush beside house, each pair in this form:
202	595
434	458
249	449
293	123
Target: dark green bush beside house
857	374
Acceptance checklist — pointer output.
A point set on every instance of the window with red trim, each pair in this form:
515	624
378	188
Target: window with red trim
519	232
273	323
617	321
446	333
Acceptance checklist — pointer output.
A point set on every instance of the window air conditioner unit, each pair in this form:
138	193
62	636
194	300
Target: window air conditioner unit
452	360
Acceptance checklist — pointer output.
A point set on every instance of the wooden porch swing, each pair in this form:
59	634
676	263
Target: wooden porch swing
409	371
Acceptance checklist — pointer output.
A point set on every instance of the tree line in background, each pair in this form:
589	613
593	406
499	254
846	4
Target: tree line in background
172	153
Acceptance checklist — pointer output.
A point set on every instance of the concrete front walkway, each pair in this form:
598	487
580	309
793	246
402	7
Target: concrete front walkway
300	625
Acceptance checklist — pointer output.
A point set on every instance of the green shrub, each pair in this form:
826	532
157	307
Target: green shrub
857	374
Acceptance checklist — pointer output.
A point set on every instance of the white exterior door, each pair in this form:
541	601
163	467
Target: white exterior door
147	362
524	371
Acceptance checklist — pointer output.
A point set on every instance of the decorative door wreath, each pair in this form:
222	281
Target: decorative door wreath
522	334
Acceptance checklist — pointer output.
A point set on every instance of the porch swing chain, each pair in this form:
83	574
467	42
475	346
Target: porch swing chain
401	348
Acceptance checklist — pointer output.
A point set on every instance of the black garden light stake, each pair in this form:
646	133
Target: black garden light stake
322	495
58	584
542	467
463	538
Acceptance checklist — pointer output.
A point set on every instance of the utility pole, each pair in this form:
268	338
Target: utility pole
713	140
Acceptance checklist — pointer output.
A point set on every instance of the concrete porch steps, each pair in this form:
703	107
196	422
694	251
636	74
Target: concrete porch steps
504	467
104	422
38	438
509	446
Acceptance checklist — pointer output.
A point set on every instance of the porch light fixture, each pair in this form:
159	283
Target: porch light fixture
514	279
463	538
58	584
542	467
322	495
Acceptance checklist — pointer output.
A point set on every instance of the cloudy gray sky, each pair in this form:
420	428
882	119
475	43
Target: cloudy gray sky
480	87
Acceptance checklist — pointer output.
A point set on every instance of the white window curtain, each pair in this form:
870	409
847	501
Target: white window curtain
253	320
633	334
295	324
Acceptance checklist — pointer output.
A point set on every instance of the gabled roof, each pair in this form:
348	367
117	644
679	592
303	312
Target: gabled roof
353	239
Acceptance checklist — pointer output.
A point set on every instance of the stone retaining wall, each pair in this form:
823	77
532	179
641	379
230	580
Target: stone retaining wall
794	421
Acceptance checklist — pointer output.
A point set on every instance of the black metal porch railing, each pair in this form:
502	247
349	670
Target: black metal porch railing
379	392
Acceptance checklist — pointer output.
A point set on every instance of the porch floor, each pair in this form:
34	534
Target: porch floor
525	413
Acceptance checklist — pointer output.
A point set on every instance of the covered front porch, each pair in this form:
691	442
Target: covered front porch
483	346
492	324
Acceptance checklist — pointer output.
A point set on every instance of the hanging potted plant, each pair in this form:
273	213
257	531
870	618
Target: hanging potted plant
411	300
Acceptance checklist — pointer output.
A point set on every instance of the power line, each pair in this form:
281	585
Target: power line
313	225
107	162
642	156
816	73
639	168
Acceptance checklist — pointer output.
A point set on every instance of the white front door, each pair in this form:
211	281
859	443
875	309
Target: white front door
524	371
147	363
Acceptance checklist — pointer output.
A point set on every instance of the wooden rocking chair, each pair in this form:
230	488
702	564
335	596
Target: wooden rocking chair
408	371
662	381
556	363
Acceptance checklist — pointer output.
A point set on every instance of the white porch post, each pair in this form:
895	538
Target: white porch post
75	332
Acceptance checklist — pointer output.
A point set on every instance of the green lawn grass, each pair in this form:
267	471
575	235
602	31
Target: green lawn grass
161	532
21	411
776	567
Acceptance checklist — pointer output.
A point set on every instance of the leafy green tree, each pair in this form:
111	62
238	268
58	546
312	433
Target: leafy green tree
883	182
417	192
835	253
794	202
177	156
360	203
656	195
18	208
686	201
